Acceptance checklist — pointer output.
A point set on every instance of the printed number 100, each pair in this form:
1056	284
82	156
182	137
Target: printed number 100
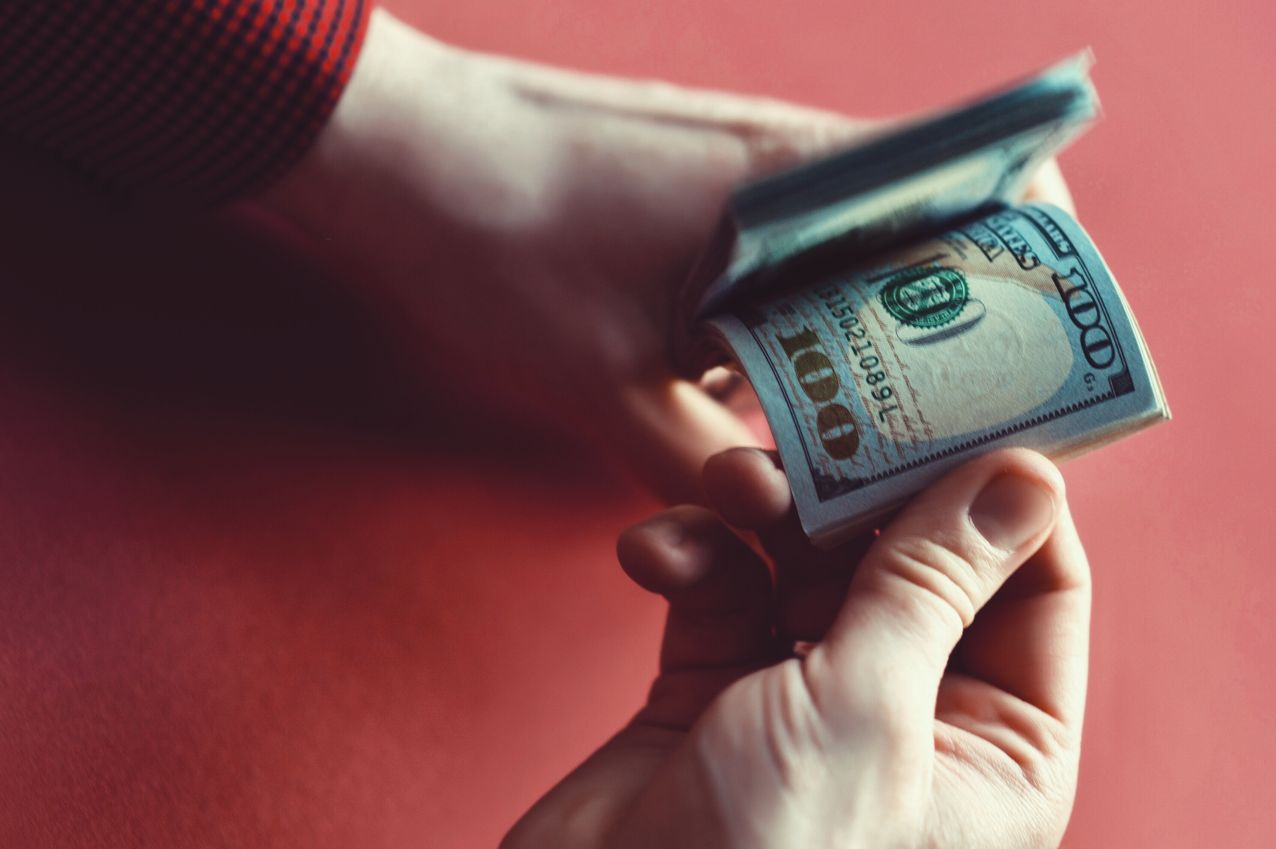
815	374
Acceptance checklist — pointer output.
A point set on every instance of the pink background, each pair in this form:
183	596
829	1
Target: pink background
245	592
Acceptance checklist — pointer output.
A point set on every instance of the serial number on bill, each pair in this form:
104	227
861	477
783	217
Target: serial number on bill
861	354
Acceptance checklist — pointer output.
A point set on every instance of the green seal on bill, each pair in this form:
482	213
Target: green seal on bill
926	297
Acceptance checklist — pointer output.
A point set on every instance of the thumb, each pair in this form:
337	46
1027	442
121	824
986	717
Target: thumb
922	583
664	432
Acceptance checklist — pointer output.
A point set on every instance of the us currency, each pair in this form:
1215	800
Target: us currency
1007	330
893	186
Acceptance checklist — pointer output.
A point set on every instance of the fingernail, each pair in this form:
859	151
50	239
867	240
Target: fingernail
667	531
1011	510
767	459
719	383
770	461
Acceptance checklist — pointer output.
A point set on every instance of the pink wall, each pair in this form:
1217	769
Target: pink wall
244	594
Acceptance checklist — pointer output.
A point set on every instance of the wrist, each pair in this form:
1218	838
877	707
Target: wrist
427	142
333	187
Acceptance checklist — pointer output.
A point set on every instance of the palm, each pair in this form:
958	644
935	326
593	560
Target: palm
984	770
650	779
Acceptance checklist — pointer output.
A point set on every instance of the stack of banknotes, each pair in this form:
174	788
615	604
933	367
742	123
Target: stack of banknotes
897	312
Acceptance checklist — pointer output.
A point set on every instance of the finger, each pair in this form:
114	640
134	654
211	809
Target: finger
923	581
719	591
783	141
718	594
681	105
664	433
773	134
748	489
808	603
1032	639
1048	186
732	390
720	382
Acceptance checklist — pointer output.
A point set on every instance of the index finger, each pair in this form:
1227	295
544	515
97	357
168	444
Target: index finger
1048	186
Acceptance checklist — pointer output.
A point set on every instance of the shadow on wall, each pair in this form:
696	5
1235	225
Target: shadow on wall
173	322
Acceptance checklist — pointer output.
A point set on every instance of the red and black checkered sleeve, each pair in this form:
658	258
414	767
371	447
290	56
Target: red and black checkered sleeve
199	99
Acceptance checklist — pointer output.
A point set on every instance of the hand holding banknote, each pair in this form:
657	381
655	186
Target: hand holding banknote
941	705
528	226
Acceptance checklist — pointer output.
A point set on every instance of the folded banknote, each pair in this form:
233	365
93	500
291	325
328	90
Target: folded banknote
897	313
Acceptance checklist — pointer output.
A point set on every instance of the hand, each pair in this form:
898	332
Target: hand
940	707
530	226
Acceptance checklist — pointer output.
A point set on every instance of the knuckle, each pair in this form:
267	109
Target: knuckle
942	569
765	152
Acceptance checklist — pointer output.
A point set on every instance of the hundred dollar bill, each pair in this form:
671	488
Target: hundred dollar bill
1007	330
904	183
896	315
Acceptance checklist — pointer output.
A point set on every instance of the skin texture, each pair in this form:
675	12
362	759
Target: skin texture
936	700
526	228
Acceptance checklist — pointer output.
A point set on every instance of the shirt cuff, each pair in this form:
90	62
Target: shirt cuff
201	100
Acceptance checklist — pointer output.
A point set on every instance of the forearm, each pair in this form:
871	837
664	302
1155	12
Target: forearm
429	142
